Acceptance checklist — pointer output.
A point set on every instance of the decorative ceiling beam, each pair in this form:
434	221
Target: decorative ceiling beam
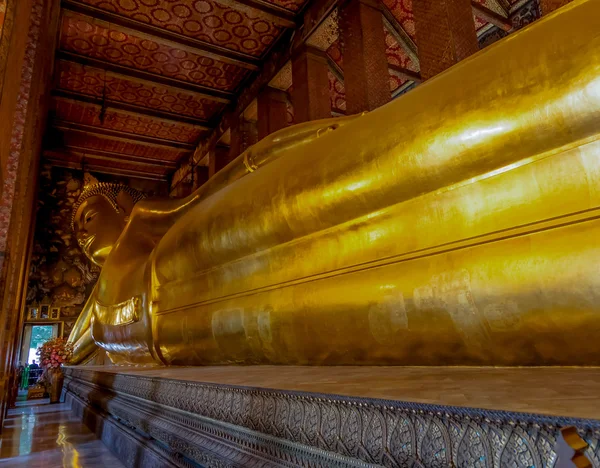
400	34
82	152
203	91
67	126
63	93
159	146
505	5
269	11
317	12
109	170
139	28
491	16
405	73
335	69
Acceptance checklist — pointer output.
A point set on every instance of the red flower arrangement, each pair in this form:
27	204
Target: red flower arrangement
55	352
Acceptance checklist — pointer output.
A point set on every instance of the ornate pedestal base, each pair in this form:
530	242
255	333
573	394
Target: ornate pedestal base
153	421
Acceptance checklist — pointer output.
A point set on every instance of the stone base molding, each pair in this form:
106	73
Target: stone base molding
154	421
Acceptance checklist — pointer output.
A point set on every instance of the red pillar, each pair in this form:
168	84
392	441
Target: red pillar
548	6
310	93
366	75
445	34
272	111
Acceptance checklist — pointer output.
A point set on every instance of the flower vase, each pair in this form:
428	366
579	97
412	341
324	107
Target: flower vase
56	379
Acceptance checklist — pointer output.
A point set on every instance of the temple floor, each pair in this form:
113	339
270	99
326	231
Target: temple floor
555	391
38	434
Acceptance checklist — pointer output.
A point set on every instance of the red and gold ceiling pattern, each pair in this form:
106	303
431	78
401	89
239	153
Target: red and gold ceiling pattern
89	114
83	140
91	161
85	36
96	82
403	12
337	93
132	167
335	52
205	20
396	54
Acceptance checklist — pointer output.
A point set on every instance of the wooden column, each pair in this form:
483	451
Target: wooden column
548	6
366	75
272	111
243	136
310	92
219	157
200	176
445	34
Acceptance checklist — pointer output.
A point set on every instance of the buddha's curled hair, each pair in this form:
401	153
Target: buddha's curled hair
108	190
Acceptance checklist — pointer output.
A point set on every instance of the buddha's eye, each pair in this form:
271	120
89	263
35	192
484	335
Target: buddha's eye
89	217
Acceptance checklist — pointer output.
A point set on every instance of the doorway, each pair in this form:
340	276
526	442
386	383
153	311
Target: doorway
33	337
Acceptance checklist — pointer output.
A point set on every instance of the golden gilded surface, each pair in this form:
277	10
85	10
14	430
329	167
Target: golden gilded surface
458	224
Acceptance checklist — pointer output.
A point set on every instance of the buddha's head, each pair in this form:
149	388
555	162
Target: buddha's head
99	216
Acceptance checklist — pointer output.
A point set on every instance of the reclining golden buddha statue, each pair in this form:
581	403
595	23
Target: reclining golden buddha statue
457	225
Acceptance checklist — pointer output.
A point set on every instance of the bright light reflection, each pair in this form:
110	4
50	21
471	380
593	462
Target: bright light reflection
357	185
376	234
482	132
70	453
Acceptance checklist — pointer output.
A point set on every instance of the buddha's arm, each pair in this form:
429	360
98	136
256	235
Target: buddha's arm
508	106
81	335
153	218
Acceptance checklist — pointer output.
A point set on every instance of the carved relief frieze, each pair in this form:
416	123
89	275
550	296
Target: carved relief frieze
219	425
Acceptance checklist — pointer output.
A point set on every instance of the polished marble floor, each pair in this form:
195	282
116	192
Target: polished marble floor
37	434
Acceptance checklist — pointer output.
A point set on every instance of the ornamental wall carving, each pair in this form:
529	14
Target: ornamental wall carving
218	426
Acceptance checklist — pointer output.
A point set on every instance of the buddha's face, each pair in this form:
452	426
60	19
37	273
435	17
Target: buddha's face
98	227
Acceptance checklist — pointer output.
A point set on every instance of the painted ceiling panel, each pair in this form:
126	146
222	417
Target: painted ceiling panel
396	54
403	12
89	114
479	22
92	161
96	82
335	52
337	93
205	20
82	140
86	36
126	165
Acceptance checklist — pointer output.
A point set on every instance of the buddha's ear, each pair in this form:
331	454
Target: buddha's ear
125	202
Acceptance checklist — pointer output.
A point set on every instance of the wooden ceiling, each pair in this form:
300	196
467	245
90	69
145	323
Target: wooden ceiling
140	85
